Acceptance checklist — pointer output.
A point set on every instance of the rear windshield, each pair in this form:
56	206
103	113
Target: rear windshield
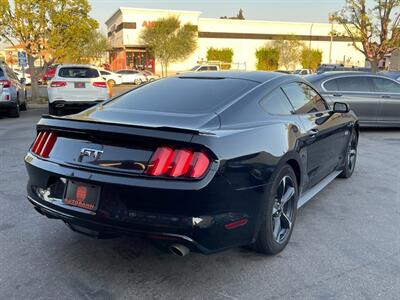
78	72
184	95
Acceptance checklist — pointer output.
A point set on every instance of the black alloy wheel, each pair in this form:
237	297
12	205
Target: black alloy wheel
351	156
280	213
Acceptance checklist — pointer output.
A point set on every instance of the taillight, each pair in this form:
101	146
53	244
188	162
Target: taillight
101	84
44	143
58	84
5	83
178	163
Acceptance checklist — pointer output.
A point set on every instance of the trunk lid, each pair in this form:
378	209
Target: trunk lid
109	147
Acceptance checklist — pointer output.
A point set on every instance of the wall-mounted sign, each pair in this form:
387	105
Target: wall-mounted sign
148	23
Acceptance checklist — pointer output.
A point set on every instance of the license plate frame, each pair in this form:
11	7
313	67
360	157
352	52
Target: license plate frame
82	195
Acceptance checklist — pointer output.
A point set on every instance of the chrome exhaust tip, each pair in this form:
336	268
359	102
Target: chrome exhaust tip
179	250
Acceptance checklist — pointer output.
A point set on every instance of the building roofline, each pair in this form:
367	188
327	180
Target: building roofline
122	8
263	21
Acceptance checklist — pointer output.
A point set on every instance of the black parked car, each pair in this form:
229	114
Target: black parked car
202	161
374	98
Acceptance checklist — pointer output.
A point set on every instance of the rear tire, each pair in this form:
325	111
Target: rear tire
23	107
137	81
351	156
14	113
279	213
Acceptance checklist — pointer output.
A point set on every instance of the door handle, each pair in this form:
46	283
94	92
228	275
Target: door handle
337	95
312	133
386	97
312	136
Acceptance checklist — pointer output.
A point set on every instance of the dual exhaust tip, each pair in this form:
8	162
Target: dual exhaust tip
179	250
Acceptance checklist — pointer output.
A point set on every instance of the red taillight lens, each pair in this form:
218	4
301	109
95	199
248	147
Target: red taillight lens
44	143
58	84
198	165
178	163
100	84
160	161
5	83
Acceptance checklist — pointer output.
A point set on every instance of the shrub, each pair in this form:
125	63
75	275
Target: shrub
311	58
267	59
224	55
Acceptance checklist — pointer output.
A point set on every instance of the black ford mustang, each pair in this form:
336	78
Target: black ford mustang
198	162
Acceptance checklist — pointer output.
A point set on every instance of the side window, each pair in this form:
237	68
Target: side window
203	69
212	68
104	73
384	85
331	85
303	98
354	84
276	103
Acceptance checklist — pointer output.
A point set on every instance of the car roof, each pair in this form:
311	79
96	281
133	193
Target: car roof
327	75
77	66
258	76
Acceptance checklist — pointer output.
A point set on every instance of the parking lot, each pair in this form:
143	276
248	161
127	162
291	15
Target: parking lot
345	243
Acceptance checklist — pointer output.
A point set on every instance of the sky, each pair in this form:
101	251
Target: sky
270	10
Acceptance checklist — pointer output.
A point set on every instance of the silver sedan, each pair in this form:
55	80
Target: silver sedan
374	98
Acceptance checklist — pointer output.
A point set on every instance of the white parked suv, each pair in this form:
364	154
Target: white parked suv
12	92
75	87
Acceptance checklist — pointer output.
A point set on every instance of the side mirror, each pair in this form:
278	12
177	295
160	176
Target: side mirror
22	80
340	107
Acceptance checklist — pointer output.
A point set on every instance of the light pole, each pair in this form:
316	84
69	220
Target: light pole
311	27
331	33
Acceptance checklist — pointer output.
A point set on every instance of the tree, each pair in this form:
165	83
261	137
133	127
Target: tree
376	29
90	48
267	58
311	58
224	55
289	48
169	41
47	29
239	16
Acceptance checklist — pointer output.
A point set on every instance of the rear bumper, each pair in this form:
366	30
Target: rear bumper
195	216
7	105
73	106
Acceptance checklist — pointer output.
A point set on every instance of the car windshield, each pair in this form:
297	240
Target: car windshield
78	72
194	68
183	95
297	72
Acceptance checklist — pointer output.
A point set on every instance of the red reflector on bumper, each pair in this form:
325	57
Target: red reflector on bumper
236	224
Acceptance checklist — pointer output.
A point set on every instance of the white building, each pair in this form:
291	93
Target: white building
243	36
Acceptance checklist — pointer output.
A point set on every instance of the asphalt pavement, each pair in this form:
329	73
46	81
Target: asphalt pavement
345	243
